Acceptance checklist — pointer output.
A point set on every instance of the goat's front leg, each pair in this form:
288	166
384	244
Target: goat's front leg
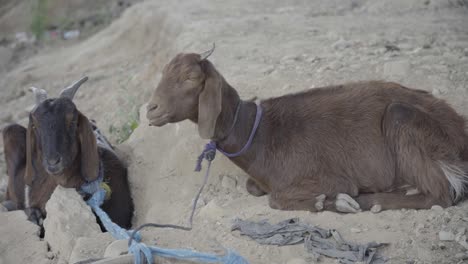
292	201
34	215
253	188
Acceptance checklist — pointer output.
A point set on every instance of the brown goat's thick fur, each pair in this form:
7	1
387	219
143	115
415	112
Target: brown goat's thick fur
371	140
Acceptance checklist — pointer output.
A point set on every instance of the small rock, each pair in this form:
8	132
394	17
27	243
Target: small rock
68	218
291	58
341	44
391	48
446	236
90	247
116	248
19	240
228	182
313	59
212	211
441	246
50	255
437	208
355	230
376	208
427	46
269	70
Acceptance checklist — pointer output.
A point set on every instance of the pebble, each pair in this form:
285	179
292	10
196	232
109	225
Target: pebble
446	236
268	70
437	208
376	208
228	182
355	230
341	44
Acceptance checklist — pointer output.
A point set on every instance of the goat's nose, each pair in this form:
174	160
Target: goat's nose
54	160
151	107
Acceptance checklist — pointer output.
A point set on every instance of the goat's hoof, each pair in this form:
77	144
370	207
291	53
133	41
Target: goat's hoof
320	200
34	215
377	208
345	204
413	191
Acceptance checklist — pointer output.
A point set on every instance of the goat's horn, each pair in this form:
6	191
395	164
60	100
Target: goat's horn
207	53
40	94
70	91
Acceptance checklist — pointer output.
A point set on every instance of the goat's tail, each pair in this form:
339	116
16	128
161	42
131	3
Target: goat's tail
457	176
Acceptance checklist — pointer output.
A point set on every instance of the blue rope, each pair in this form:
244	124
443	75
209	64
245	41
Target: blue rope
141	250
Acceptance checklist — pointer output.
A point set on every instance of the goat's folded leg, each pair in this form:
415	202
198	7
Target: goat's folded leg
398	200
426	147
292	201
253	188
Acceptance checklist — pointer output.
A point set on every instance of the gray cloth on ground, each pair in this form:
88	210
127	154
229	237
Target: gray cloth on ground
317	241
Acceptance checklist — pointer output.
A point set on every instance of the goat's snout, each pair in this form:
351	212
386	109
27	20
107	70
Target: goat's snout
151	107
54	164
155	116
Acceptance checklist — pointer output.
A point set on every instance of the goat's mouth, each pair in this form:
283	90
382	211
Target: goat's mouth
158	120
54	170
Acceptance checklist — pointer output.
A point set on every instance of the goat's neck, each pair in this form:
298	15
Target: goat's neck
72	177
233	140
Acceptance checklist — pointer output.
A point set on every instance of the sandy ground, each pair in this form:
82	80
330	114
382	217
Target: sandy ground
264	48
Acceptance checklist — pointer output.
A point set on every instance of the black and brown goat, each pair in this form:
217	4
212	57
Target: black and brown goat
59	147
385	145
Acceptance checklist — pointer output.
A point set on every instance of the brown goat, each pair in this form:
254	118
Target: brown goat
386	145
61	149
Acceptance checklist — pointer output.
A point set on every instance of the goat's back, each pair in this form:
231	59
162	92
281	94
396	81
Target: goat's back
336	133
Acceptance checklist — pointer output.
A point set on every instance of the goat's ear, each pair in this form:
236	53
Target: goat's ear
209	100
89	151
31	153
